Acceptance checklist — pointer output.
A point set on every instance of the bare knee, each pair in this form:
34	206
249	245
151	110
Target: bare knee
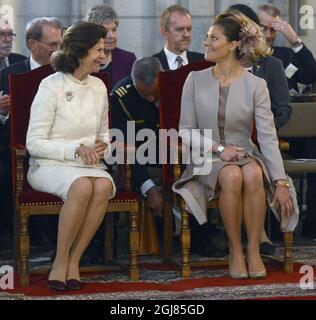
81	189
252	178
102	188
230	178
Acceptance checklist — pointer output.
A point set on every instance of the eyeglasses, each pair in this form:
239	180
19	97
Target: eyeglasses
52	46
9	35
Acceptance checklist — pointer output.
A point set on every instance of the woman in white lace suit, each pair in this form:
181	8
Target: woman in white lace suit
67	137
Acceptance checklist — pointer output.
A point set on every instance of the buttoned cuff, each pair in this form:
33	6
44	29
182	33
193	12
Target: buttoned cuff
298	49
70	151
144	188
4	119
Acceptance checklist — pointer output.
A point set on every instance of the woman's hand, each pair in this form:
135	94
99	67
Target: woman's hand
282	199
89	156
231	154
100	147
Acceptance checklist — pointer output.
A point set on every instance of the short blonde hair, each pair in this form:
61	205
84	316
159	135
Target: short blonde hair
165	17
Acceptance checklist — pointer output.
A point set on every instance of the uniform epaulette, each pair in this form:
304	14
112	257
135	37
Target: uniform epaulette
121	91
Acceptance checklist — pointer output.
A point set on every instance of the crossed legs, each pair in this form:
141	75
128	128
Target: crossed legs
80	217
242	199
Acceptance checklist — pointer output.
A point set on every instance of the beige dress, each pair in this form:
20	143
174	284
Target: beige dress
235	107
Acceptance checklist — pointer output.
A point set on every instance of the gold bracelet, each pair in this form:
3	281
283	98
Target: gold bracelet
282	183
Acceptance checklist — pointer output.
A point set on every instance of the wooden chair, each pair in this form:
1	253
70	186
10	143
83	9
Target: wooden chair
171	84
29	202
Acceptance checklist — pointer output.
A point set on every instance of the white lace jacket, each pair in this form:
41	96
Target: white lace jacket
66	112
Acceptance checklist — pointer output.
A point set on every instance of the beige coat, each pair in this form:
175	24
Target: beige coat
248	100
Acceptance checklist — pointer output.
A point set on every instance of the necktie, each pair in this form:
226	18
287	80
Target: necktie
2	63
179	60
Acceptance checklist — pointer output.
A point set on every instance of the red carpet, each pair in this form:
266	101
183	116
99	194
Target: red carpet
159	281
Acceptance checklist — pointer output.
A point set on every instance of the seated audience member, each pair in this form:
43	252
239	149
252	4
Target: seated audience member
67	138
304	72
6	40
241	176
43	36
136	98
6	58
176	28
298	61
271	70
117	62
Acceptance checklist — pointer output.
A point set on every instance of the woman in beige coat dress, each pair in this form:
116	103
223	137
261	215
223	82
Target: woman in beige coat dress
227	99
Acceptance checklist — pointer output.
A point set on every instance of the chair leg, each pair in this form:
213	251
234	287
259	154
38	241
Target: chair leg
16	244
134	245
288	260
168	227
109	234
185	244
24	249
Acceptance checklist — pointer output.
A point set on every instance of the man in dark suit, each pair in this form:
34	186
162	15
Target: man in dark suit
176	28
6	58
300	67
43	36
298	61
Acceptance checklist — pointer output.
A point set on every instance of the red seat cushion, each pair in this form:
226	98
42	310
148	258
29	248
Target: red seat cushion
125	196
36	198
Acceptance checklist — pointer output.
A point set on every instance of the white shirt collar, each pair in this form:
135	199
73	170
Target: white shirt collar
171	58
34	64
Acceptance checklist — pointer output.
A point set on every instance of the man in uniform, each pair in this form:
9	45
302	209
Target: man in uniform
136	98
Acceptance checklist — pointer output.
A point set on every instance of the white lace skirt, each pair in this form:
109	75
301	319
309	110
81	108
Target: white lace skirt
57	180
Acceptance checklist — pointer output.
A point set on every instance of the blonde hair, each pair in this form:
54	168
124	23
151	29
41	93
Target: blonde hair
251	42
165	17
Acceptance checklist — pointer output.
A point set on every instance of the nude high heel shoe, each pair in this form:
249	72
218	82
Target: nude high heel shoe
258	274
237	275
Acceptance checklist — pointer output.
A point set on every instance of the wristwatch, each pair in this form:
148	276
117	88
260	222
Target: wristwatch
220	149
297	43
77	151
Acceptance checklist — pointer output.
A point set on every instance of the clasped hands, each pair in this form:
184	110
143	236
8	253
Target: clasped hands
92	156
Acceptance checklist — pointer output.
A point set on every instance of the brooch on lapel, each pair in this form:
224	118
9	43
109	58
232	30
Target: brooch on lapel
69	95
